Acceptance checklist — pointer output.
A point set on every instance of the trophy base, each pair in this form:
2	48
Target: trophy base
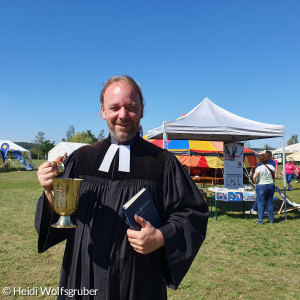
64	222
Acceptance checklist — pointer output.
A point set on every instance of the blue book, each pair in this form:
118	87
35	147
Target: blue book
141	204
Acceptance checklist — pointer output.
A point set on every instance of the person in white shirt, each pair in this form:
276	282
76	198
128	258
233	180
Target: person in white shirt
264	176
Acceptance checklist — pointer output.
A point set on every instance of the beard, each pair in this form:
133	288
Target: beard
123	135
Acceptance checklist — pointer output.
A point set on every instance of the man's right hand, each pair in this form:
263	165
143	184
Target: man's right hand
46	172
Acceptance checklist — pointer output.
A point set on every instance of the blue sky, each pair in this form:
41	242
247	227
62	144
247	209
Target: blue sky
243	55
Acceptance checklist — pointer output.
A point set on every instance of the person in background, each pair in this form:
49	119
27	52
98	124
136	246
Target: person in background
274	163
290	170
263	177
296	172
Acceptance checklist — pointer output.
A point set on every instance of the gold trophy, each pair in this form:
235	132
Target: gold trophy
66	198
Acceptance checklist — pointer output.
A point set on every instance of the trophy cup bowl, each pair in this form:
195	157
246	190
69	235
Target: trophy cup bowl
66	198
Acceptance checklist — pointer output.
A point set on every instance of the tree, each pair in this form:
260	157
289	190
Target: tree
70	133
45	147
267	147
39	139
293	140
101	135
84	137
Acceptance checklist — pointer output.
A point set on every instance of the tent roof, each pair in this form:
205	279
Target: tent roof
288	149
209	122
63	147
13	146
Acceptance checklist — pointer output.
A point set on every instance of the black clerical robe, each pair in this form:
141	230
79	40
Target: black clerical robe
98	255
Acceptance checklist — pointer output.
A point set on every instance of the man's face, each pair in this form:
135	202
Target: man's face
122	110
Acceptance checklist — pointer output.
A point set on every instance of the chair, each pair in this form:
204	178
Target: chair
295	206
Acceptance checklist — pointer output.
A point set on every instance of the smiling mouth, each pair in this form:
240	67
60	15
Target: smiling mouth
123	125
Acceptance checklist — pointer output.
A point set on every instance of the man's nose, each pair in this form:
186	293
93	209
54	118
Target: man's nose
123	113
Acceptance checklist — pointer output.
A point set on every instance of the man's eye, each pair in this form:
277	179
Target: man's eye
115	108
131	108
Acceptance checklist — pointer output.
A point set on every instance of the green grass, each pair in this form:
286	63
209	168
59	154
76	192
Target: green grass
238	260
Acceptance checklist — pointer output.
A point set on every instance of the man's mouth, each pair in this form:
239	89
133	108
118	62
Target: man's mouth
123	125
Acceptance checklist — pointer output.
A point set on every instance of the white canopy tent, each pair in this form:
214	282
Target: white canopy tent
14	147
288	149
209	122
295	156
62	148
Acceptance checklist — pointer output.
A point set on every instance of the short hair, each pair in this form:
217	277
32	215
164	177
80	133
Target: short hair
264	157
127	79
269	153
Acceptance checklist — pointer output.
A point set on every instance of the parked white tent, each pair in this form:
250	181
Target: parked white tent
14	148
295	156
62	148
288	149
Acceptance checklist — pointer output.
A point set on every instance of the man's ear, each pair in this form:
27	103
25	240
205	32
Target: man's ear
103	112
142	112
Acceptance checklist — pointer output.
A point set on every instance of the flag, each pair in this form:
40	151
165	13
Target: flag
4	150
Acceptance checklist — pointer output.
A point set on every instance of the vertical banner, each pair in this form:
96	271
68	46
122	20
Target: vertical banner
233	165
4	150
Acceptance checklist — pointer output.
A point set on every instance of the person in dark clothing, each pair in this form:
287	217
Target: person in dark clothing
102	254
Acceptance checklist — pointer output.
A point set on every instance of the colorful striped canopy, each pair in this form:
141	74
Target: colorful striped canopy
203	154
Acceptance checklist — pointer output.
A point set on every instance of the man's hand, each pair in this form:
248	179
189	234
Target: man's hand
147	240
46	172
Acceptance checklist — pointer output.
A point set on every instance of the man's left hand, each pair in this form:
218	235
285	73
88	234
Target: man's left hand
147	240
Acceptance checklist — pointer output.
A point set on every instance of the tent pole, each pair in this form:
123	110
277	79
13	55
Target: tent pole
284	177
165	137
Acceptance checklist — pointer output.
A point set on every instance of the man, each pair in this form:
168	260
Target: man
273	163
102	253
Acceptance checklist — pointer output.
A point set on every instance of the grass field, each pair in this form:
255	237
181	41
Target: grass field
238	260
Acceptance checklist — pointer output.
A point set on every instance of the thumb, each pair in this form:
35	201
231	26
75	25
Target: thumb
59	159
144	223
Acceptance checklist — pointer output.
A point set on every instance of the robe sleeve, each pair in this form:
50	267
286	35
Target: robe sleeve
45	216
187	215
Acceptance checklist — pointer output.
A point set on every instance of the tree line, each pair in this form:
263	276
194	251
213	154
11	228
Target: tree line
40	146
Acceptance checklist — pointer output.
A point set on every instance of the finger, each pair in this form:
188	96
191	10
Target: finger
134	241
133	234
59	159
141	221
137	248
47	172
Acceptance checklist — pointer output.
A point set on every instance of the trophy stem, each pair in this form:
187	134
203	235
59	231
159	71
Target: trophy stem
64	222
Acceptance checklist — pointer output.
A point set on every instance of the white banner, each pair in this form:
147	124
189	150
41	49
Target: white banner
233	165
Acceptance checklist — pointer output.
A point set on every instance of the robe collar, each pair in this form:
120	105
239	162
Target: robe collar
124	155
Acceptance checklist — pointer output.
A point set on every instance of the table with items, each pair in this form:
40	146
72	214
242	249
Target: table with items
231	195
